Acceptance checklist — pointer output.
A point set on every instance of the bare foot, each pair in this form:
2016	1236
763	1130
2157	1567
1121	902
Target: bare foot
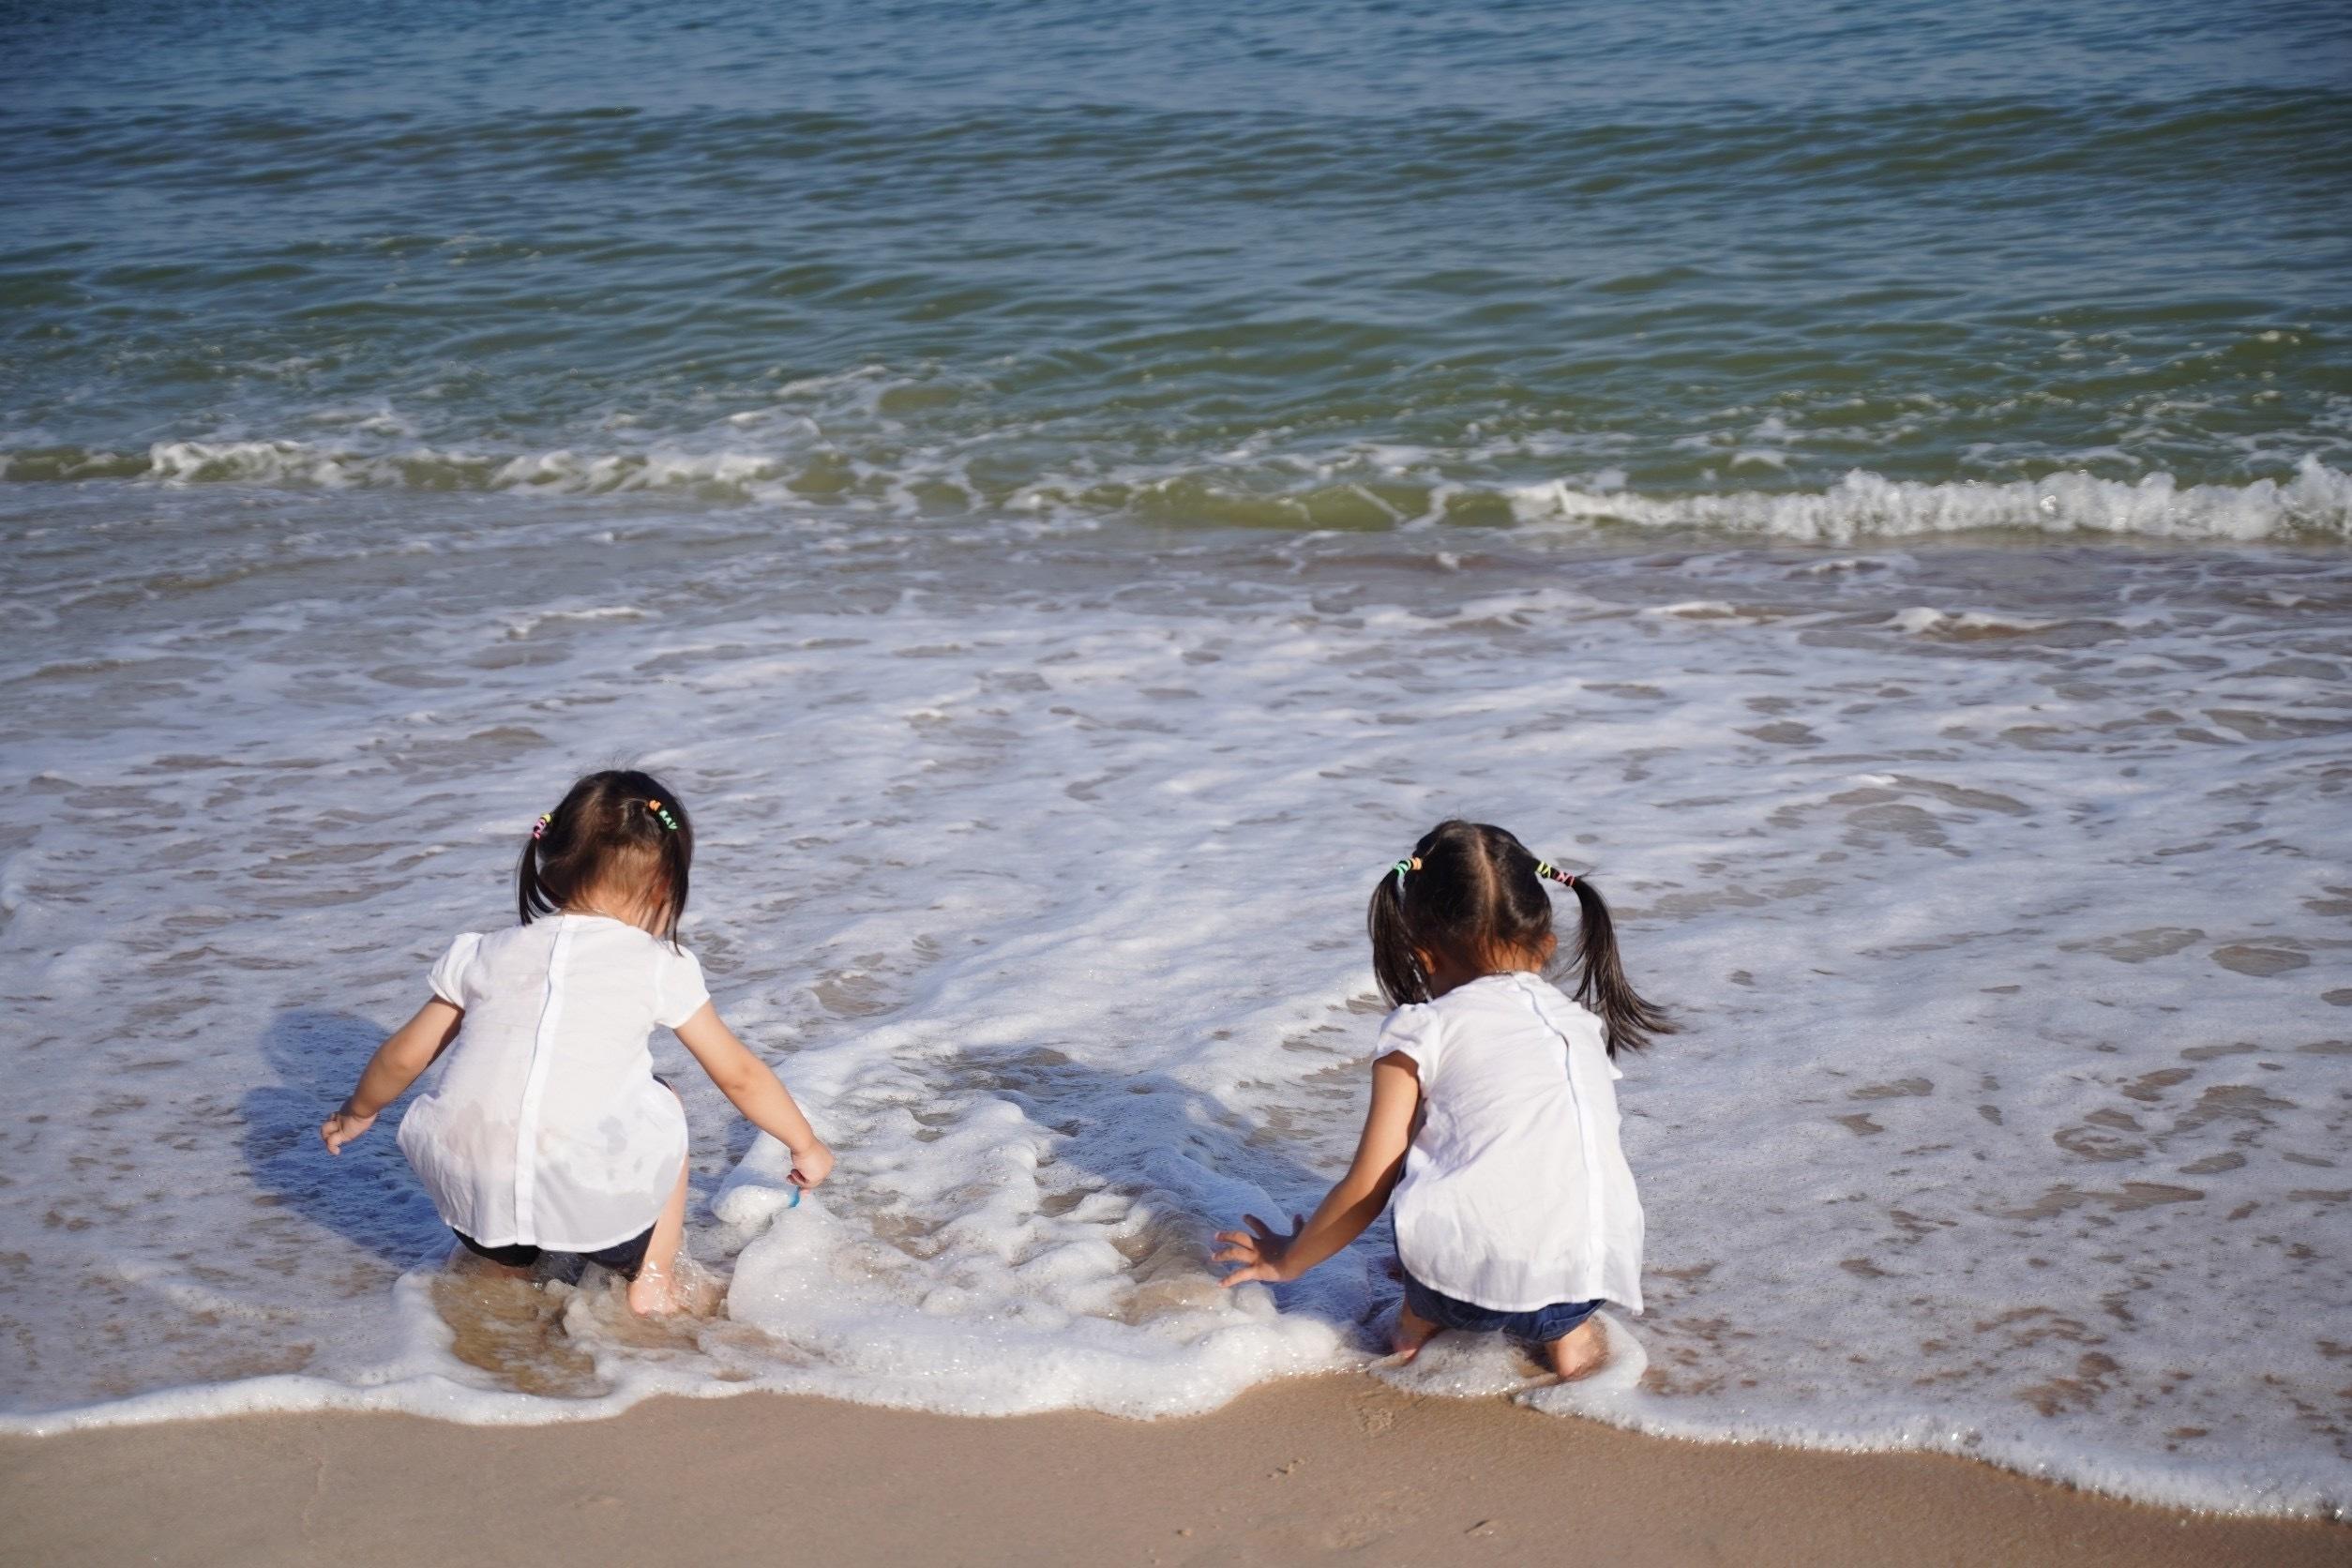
652	1294
1410	1334
1579	1352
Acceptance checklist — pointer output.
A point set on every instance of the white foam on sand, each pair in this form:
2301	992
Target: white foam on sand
2007	1118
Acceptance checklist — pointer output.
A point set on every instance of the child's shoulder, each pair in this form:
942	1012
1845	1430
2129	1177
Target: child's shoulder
482	947
536	940
1506	998
609	948
1418	1019
638	953
1563	1012
1411	1030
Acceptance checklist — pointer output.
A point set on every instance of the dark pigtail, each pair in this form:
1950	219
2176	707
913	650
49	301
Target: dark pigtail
531	898
1601	983
676	854
1395	964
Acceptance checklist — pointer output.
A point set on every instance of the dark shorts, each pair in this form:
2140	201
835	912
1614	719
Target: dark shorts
1539	1327
625	1259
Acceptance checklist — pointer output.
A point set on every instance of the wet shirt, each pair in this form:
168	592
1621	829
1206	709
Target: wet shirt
541	1124
1516	1194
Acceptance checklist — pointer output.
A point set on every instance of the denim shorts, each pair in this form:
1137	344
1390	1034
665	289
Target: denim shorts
1540	1326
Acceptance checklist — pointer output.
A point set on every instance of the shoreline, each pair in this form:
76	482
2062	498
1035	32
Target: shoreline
1325	1467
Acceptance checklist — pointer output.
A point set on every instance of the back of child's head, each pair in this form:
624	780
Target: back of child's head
619	835
1471	896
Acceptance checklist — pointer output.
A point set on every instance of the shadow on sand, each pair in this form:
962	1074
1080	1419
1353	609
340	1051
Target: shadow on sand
1201	1165
367	1194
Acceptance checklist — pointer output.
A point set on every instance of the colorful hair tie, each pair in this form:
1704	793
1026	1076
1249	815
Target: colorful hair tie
1411	862
538	829
667	820
1546	869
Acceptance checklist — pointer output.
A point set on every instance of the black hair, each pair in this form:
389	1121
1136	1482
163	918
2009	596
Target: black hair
1475	894
615	826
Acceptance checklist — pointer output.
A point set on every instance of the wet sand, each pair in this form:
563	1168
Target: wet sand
1322	1468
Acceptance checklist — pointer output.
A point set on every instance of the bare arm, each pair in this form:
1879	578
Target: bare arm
757	1092
413	1047
1354	1204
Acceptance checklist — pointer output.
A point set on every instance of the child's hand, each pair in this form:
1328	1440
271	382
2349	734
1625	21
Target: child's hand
341	1127
1262	1253
811	1165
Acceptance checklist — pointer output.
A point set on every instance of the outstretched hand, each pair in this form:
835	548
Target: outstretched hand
341	1127
811	1165
1261	1252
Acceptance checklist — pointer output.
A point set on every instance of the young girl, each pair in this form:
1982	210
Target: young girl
545	1128
1493	1120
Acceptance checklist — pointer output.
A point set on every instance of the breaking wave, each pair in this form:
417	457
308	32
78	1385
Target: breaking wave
1383	488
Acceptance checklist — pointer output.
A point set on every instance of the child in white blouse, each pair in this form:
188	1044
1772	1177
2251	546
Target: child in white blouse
544	1128
1493	1120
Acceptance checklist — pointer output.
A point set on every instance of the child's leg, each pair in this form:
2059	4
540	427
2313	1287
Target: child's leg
655	1290
1579	1352
1413	1331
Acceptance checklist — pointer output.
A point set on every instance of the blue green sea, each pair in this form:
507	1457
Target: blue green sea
1326	265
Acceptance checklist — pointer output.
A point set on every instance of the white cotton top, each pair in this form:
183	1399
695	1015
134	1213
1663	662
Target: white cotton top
1516	1194
541	1124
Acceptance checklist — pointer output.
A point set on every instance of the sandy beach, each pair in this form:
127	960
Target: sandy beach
1317	1469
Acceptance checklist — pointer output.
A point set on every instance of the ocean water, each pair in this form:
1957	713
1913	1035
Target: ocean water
1067	495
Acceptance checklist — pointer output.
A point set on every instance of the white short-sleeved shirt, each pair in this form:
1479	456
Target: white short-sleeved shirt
541	1124
1516	1193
